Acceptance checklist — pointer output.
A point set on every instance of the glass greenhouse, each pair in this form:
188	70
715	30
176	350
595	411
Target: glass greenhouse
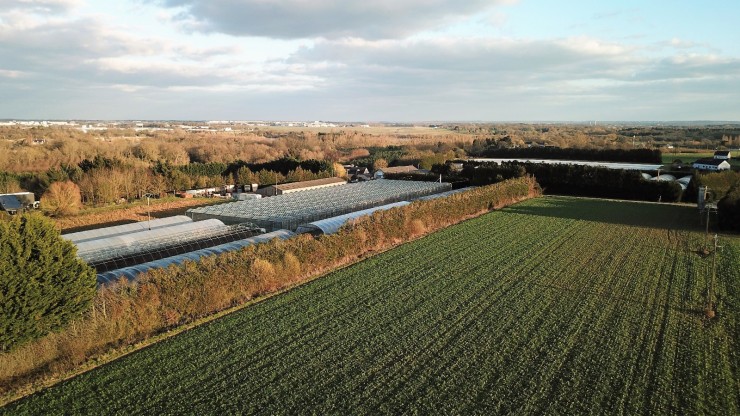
291	210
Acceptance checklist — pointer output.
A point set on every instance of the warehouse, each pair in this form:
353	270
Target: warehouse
287	188
291	210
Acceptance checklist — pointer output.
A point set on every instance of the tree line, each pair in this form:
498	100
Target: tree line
572	153
577	180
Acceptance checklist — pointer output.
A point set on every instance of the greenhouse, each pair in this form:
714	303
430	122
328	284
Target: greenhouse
333	224
124	250
445	194
291	210
133	271
95	234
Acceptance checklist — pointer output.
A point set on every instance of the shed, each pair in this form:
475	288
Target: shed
287	188
380	173
10	204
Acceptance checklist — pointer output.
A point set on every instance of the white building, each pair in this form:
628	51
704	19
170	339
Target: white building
711	164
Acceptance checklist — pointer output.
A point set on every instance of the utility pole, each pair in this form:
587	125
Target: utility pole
148	212
709	311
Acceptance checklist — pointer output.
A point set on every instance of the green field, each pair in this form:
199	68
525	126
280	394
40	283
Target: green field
688	158
552	306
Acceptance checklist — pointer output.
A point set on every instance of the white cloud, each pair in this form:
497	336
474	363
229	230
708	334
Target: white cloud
291	19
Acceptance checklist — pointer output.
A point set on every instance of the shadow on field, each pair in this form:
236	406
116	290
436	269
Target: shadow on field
638	214
96	226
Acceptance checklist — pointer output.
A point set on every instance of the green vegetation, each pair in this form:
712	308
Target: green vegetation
125	313
552	306
43	285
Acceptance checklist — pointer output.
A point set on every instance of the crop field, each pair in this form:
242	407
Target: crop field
551	306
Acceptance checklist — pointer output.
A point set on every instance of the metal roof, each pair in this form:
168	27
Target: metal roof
333	224
399	169
308	184
132	272
10	203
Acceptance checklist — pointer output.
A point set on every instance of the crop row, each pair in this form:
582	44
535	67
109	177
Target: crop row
532	309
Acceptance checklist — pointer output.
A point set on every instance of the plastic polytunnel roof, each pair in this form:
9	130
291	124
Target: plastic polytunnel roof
445	194
132	272
105	232
333	224
127	244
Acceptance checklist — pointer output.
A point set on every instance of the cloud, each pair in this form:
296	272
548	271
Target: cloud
39	6
292	19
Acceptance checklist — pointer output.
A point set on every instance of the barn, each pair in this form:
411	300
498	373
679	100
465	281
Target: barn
287	188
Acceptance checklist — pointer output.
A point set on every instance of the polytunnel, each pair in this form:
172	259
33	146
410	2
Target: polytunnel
646	176
100	250
105	232
133	271
664	178
445	194
333	224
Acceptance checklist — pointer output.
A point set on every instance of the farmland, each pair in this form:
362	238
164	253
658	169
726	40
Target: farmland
554	305
688	158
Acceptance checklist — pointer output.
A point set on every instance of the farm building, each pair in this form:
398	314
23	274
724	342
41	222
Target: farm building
380	173
10	204
17	201
132	272
287	188
722	155
711	164
291	210
333	224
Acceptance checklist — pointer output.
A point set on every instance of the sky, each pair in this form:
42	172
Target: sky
380	60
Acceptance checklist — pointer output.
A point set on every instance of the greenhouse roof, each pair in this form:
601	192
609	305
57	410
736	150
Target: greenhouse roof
291	210
445	194
333	224
102	249
132	272
98	233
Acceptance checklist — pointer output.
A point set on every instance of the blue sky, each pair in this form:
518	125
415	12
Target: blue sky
386	60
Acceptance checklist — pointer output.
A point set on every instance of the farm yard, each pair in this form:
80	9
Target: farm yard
554	305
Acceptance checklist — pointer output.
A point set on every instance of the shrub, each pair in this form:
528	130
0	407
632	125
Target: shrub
43	285
61	199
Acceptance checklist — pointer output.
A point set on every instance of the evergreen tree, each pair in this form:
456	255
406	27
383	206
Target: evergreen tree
43	285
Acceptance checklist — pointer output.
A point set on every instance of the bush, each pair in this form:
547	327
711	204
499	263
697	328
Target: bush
729	210
43	285
61	199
